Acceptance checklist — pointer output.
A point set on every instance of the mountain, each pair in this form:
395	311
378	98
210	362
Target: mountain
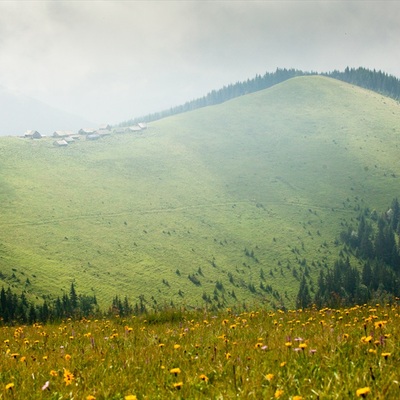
19	113
222	205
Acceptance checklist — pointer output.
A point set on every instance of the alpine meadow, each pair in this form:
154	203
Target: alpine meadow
226	205
244	249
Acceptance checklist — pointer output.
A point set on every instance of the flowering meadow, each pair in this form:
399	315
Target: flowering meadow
311	354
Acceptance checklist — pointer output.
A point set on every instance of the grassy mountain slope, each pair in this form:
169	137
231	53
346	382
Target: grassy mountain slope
249	191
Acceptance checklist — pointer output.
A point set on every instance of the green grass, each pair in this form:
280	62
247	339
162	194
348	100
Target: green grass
260	354
274	172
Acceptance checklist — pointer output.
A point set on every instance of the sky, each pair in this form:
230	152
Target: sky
110	61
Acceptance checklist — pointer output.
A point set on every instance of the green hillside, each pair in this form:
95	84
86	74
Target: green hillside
250	191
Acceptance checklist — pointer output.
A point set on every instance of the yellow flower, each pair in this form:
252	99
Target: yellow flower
23	359
68	377
53	373
380	324
288	344
9	386
297	398
175	371
90	397
269	377
278	393
386	355
372	351
303	346
366	339
67	357
177	346
283	363
362	392
204	377
258	345
178	385
130	397
228	356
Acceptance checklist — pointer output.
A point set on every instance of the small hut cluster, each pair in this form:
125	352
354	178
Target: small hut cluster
64	138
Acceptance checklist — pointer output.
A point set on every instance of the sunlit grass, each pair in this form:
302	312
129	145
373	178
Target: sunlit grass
313	354
275	172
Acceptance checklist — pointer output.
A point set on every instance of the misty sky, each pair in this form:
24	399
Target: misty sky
110	61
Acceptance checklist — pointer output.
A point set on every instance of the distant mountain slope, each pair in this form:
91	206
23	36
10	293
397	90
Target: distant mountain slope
19	113
219	206
377	81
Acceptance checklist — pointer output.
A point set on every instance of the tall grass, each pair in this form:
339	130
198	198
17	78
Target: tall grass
311	354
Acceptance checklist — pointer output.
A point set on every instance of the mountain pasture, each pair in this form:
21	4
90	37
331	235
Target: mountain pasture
223	205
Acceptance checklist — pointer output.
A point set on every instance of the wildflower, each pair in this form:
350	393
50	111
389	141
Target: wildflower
68	377
269	377
366	339
362	392
22	359
44	358
228	356
175	371
9	386
379	324
204	378
297	398
345	335
303	346
178	385
278	393
53	373
288	344
67	357
161	345
46	386
177	346
90	397
130	397
282	364
372	351
258	345
386	355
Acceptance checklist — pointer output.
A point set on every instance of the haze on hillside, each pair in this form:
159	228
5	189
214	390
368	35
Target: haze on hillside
111	61
224	204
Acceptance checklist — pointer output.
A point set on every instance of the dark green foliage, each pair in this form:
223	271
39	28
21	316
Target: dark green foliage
376	243
303	299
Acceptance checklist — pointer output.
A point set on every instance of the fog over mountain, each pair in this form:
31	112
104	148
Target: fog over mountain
19	113
110	61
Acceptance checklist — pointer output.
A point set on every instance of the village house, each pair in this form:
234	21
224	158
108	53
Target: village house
32	134
87	131
62	134
60	143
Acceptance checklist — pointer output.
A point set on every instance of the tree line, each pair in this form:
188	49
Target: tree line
16	308
374	242
377	81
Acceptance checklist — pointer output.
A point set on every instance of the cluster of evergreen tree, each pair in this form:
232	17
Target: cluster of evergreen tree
375	242
18	309
377	81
